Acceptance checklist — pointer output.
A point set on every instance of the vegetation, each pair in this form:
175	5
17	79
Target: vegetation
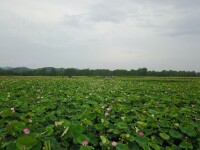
86	113
50	71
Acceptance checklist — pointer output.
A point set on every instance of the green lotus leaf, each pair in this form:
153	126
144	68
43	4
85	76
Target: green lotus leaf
85	148
141	124
81	138
19	126
104	140
122	147
142	140
186	145
26	142
164	123
154	146
175	134
99	126
6	113
189	131
93	139
164	136
76	130
122	125
49	130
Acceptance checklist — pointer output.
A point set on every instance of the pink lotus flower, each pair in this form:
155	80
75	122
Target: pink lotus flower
26	131
114	144
85	143
106	113
141	133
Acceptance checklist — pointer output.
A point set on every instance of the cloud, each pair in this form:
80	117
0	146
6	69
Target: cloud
124	34
174	18
106	13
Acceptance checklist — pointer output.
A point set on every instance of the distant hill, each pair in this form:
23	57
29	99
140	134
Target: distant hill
24	69
21	69
17	69
6	68
51	68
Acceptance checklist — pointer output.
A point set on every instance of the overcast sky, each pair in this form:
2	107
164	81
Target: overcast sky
109	34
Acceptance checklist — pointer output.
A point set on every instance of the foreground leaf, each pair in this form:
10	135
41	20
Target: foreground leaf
25	142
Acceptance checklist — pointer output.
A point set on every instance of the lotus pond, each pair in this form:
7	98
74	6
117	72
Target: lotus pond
91	113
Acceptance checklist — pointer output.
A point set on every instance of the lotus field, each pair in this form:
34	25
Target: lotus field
94	113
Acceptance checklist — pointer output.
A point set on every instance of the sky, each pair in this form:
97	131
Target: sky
100	34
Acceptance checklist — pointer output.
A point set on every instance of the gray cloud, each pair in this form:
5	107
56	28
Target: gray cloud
100	34
106	13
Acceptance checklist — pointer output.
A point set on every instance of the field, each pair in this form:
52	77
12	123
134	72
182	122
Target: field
60	113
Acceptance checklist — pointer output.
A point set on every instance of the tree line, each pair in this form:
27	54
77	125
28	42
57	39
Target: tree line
50	71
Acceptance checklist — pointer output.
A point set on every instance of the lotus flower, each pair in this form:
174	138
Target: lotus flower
114	144
85	143
109	108
141	133
106	113
26	131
